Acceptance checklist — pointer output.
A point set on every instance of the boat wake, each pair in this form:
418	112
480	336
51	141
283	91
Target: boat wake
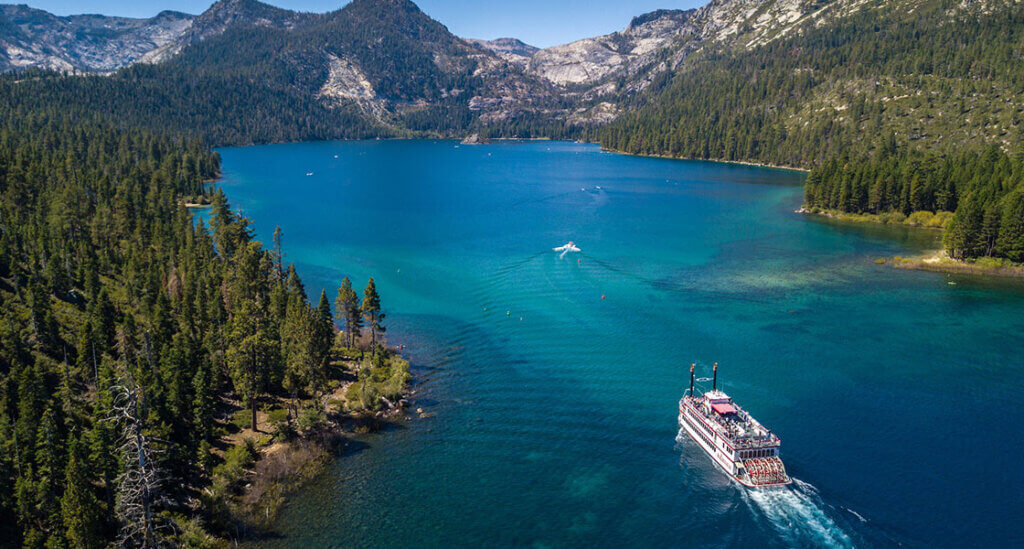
796	512
799	514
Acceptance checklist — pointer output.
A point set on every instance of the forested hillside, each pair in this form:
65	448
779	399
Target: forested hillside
376	68
861	94
936	78
125	326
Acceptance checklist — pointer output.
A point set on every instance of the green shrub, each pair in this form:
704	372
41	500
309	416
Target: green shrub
242	419
237	461
892	217
941	220
192	535
277	415
362	396
921	218
309	419
992	262
285	431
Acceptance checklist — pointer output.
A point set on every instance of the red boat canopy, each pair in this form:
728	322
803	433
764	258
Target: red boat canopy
723	408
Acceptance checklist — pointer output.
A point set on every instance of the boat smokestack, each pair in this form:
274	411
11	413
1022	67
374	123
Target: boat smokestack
692	366
714	378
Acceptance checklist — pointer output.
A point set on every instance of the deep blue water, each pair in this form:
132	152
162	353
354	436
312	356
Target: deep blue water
896	393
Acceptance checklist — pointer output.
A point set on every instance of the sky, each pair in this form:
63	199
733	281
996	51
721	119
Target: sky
537	22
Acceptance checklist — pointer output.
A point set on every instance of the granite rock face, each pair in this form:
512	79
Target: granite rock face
513	50
35	38
589	60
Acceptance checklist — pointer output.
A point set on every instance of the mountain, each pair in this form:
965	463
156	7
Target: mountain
591	60
35	38
794	84
222	16
779	81
245	72
402	69
513	50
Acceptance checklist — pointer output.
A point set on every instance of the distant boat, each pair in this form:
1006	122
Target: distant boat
309	173
570	247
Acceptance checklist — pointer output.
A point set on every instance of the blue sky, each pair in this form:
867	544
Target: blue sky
538	22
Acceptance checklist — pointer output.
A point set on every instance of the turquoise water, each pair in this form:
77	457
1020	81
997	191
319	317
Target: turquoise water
551	384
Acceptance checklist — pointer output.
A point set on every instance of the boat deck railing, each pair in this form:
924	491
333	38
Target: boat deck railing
743	431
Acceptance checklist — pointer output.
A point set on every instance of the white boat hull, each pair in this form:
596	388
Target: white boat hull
719	452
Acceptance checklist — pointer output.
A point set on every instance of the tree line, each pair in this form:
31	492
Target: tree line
985	189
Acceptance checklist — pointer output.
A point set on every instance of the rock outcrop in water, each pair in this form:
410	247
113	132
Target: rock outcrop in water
475	139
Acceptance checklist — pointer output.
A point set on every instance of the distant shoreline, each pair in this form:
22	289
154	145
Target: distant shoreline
739	162
921	220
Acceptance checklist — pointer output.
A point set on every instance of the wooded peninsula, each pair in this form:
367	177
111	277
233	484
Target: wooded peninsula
146	358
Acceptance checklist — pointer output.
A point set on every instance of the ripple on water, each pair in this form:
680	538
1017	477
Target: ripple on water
559	429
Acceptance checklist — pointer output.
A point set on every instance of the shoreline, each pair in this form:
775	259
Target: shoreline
270	465
936	261
738	162
528	139
920	220
939	262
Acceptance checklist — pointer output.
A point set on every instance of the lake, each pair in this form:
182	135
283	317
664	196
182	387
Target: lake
551	384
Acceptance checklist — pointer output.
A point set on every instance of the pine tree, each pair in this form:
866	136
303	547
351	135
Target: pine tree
296	346
80	509
372	313
278	253
49	460
1010	243
202	411
323	338
346	305
103	436
250	353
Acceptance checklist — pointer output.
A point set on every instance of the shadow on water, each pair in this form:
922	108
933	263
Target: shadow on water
915	238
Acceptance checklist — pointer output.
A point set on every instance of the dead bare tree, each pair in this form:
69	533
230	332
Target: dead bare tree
138	492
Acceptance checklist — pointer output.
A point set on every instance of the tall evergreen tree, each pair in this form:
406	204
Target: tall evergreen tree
372	313
347	307
323	338
80	510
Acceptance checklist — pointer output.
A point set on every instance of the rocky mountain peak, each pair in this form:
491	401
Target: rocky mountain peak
674	16
221	16
513	50
225	13
34	38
